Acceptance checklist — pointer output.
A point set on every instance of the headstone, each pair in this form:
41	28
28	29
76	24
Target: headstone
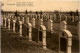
5	23
42	31
65	38
29	26
33	22
8	24
20	30
63	25
14	21
44	39
36	16
65	41
27	20
40	22
50	25
30	33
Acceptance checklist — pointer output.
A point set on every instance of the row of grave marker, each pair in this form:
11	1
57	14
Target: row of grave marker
64	33
53	17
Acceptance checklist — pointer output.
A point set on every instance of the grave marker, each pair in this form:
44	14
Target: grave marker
65	38
29	29
20	29
8	24
63	25
27	20
33	22
14	21
50	25
5	23
40	22
42	35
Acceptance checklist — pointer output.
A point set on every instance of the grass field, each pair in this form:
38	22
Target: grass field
13	43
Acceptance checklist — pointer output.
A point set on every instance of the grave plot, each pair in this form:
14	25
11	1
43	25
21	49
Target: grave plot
52	41
42	36
65	41
65	38
35	34
24	30
27	31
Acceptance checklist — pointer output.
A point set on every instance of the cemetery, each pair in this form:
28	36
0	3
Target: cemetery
50	33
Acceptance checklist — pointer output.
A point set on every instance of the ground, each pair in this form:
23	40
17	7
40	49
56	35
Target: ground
13	43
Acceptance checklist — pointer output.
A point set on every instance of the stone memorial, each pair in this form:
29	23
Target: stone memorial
50	25
20	28
42	35
14	21
8	24
65	38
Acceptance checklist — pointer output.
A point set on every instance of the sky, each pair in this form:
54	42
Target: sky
40	5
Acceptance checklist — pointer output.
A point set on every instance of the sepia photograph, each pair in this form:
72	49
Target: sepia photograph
39	26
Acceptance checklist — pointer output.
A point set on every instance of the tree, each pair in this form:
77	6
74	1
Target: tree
56	12
16	13
77	13
36	12
26	12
